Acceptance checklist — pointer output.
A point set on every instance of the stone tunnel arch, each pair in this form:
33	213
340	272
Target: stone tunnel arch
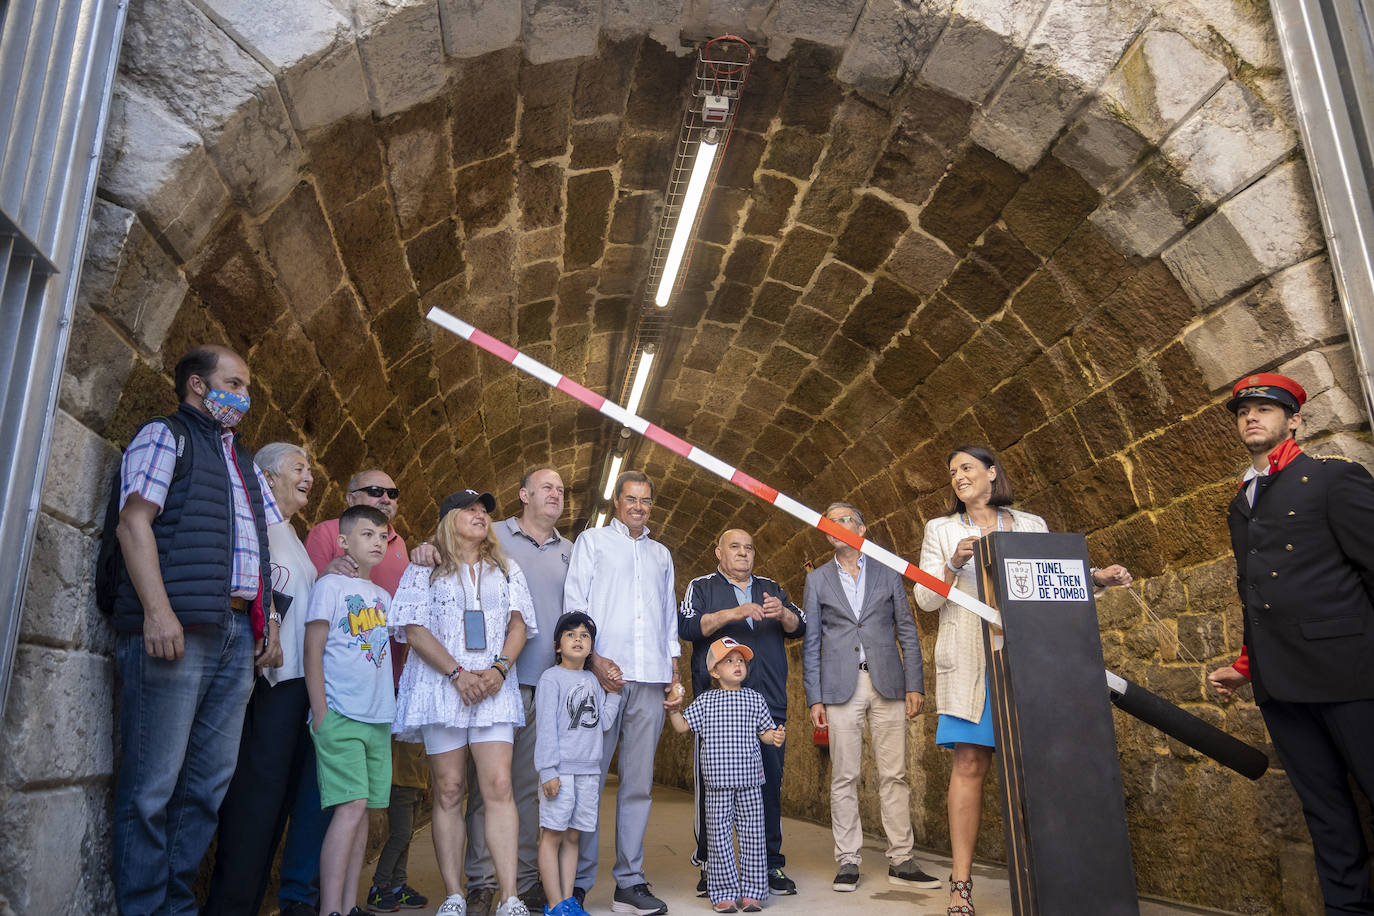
1058	226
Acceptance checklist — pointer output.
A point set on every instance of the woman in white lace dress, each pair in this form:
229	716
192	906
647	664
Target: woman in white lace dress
466	621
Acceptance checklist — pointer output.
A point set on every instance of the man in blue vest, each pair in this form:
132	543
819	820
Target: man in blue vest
757	613
192	529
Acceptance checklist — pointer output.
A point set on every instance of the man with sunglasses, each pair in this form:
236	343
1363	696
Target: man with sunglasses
300	867
861	666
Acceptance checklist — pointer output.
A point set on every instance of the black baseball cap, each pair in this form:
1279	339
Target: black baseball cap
573	619
464	498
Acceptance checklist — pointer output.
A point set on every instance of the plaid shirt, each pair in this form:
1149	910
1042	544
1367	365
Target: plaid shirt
727	723
147	470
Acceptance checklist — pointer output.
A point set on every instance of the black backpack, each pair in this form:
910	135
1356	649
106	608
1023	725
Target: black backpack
109	561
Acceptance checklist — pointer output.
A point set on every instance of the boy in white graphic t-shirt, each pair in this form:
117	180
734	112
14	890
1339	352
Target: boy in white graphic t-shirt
348	677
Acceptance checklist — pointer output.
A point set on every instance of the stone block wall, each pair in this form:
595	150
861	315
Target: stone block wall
1055	226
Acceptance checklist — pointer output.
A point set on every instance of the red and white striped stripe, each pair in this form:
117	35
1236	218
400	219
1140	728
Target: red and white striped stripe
711	463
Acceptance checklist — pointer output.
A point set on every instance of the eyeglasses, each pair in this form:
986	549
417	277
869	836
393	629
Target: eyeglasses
645	501
845	520
377	492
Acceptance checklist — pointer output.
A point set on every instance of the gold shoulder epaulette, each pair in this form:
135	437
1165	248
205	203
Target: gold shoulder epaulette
1333	458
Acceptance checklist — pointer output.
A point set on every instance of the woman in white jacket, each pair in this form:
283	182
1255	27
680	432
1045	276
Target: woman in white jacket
981	505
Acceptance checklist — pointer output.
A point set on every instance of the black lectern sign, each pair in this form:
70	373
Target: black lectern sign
1067	843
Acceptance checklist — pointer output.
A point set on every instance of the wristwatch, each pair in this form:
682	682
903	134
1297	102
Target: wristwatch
274	617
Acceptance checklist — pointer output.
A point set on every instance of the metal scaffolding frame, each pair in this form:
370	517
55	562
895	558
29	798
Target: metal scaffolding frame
57	67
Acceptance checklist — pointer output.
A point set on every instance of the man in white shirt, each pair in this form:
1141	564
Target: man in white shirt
623	580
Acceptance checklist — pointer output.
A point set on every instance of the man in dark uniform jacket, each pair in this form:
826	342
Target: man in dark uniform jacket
755	612
1302	529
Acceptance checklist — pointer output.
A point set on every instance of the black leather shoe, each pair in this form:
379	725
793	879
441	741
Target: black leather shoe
701	884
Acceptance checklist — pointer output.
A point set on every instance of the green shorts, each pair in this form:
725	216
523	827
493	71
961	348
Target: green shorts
353	760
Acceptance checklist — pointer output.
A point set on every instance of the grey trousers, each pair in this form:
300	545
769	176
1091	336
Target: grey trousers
524	779
641	718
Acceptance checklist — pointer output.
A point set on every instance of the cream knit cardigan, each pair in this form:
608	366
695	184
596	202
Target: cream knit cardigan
959	661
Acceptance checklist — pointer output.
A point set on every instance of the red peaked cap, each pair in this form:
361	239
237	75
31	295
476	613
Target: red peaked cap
1269	386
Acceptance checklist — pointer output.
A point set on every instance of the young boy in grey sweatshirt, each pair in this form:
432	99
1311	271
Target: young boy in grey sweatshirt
572	713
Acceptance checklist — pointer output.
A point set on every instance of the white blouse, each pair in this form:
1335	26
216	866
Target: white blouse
426	697
292	574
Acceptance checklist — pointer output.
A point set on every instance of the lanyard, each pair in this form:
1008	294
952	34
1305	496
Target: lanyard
462	586
968	520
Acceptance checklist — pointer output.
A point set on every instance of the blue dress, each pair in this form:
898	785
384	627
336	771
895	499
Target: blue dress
951	730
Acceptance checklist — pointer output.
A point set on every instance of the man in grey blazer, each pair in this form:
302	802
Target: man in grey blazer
862	665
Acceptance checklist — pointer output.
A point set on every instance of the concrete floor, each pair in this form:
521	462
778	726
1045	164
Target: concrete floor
810	863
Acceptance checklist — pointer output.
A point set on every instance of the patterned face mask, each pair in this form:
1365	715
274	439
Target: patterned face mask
227	407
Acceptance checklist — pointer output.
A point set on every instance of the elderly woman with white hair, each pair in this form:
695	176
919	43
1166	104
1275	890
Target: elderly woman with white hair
274	749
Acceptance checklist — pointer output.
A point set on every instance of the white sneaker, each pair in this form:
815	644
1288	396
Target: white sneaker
513	906
453	905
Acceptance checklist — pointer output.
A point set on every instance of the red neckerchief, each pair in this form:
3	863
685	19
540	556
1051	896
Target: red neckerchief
1280	457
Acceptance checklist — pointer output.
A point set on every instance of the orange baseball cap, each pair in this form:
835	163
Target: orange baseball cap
723	647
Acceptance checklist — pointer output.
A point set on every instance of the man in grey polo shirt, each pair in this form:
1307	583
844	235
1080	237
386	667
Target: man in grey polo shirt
532	541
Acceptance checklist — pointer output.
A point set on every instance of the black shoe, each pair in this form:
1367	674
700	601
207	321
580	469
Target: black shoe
637	901
701	884
479	900
357	911
534	898
846	879
780	884
909	874
297	908
581	894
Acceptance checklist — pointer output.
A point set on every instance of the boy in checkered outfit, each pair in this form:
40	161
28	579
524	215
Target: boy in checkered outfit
730	722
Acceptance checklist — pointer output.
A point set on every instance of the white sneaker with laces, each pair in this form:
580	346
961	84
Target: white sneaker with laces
513	906
453	905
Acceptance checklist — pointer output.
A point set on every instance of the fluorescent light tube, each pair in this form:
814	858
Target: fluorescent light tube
646	362
610	477
686	218
600	519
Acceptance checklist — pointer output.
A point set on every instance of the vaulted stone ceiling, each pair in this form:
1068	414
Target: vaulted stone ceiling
1059	228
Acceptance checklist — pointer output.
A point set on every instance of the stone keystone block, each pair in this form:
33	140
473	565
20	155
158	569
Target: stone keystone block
1229	141
232	101
58	584
1073	48
1267	227
828	22
50	732
308	45
891	39
1100	147
1161	80
155	164
476	27
560	29
82	464
981	41
403	52
128	276
1290	312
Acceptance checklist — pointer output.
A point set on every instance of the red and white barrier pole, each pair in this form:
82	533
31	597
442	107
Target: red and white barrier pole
711	463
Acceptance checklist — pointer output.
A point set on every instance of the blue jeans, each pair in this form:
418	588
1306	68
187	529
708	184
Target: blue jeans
300	854
179	727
